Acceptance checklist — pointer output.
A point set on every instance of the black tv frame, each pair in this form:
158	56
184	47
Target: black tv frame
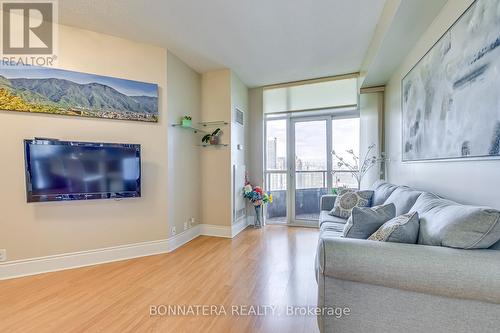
30	197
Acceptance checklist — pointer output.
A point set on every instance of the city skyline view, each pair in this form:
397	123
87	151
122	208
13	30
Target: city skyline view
310	142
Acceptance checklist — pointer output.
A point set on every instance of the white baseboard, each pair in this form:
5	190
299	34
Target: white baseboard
25	267
183	238
239	226
18	268
215	230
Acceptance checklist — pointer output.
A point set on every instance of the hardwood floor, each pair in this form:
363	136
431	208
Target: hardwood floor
271	266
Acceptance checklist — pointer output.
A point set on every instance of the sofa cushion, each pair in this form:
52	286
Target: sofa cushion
447	223
324	216
347	200
364	221
382	191
401	229
332	226
403	198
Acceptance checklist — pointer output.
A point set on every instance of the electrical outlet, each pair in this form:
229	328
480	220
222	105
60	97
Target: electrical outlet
173	231
3	254
185	225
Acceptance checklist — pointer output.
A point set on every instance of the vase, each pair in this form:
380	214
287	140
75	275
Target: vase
258	217
214	140
186	122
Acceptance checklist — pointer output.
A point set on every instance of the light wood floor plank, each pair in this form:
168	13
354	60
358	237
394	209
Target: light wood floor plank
271	266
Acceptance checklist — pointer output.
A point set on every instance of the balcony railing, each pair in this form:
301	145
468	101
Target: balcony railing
310	186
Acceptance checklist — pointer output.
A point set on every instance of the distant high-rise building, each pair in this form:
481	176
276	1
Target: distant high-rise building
272	146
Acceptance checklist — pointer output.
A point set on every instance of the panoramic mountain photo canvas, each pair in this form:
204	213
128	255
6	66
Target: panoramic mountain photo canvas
56	91
451	99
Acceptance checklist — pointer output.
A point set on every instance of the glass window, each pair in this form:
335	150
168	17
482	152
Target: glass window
345	139
276	144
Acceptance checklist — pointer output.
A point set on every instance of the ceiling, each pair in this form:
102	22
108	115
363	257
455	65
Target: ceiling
263	41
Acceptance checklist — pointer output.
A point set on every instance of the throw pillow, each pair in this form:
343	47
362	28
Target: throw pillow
365	221
401	229
346	201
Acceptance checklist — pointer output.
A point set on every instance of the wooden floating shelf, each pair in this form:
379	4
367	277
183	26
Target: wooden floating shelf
194	129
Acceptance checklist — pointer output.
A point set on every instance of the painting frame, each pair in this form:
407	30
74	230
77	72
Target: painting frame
448	33
56	91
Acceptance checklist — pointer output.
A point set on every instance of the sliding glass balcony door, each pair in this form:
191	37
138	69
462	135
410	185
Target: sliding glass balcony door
298	163
311	173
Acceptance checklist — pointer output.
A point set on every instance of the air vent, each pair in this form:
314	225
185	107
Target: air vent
239	116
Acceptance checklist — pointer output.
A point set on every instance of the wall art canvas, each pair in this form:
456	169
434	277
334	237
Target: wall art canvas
451	98
63	92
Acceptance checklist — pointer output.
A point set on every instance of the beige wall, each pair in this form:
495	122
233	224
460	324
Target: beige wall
216	161
184	169
474	182
41	229
222	93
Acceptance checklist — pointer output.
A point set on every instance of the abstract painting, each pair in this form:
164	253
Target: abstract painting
451	98
63	92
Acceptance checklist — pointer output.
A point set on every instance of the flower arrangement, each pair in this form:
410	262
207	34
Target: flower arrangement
256	195
258	198
357	169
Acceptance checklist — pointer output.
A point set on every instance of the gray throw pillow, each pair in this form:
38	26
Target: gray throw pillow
447	223
365	221
401	229
346	201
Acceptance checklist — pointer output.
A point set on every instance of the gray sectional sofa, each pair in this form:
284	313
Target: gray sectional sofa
394	287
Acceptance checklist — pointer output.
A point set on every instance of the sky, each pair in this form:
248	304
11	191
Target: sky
127	87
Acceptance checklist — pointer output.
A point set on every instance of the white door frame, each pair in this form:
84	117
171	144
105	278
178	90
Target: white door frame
291	189
290	170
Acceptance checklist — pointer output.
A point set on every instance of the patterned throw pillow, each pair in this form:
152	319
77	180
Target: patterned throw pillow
364	221
401	229
346	201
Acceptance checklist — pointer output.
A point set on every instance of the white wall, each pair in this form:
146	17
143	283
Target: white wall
255	154
184	169
474	182
370	108
256	136
41	229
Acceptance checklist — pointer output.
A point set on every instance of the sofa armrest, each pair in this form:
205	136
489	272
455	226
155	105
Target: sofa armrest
466	274
327	201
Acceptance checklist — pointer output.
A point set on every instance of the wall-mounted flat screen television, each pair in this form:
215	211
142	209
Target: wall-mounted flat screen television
67	170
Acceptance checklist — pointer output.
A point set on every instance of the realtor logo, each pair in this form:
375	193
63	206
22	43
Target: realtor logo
28	29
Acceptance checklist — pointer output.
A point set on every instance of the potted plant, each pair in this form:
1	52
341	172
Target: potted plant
186	121
213	138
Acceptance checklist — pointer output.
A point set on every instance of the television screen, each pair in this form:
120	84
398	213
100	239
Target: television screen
63	170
